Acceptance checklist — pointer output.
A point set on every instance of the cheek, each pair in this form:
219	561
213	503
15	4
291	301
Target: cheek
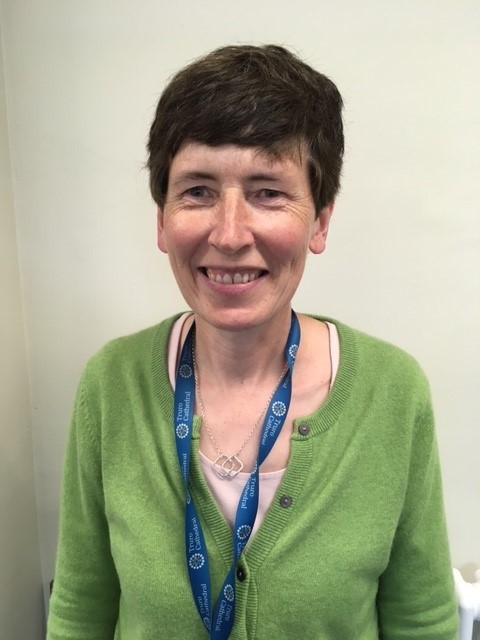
177	239
292	243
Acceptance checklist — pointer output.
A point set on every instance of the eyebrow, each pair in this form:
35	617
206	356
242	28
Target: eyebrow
262	177
189	176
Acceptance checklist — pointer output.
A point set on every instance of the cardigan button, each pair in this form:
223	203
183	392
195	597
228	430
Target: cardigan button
304	429
240	574
286	501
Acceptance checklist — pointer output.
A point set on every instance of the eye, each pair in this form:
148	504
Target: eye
269	194
270	197
197	192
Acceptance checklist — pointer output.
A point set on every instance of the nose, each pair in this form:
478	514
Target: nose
232	229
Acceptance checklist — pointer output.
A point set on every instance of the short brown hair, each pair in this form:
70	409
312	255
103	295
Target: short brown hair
251	96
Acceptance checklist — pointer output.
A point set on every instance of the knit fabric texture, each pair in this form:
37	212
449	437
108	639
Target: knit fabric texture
353	547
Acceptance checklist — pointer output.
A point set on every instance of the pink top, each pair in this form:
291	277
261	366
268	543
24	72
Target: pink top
227	491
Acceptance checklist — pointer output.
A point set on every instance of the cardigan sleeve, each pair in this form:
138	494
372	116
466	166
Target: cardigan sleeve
416	595
84	602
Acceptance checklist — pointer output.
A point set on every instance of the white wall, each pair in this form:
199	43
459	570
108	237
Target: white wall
21	611
404	254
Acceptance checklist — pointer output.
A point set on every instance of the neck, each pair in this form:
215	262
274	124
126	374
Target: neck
231	357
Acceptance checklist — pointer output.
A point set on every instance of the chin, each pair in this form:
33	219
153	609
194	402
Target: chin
237	320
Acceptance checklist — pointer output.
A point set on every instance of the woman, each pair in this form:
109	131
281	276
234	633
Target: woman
240	471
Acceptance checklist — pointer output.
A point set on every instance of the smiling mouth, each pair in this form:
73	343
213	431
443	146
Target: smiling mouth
232	277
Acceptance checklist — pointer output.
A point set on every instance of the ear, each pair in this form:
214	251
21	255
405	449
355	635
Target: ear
318	239
162	245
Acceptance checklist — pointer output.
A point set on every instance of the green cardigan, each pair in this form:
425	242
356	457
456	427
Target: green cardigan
358	551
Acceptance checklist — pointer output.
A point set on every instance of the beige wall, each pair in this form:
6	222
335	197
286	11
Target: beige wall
21	610
403	260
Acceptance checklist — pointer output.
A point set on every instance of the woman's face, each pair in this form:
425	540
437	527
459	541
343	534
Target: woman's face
237	226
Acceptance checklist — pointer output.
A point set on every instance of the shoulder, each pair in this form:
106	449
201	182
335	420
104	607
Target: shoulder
127	356
378	361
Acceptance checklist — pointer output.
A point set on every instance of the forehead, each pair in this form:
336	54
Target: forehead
236	161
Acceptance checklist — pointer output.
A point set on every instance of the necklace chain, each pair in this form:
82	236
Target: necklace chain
229	466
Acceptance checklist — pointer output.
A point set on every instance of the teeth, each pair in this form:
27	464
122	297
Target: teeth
236	278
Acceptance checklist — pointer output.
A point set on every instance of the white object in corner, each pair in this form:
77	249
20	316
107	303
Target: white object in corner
468	598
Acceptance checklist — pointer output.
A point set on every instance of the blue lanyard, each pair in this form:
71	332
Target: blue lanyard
220	622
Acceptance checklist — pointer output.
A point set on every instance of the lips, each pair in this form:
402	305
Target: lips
240	276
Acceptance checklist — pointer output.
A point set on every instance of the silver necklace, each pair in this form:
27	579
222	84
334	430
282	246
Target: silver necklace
228	466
